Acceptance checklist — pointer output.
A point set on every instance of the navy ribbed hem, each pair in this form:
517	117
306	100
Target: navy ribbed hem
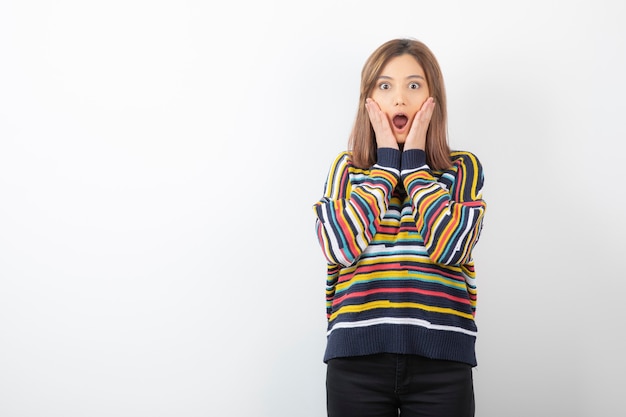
402	339
388	158
413	158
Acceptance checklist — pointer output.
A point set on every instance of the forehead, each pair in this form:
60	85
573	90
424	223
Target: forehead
403	65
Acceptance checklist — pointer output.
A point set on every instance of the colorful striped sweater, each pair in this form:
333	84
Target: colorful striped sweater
398	242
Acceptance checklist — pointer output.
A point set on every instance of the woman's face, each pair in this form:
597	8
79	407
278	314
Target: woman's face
400	92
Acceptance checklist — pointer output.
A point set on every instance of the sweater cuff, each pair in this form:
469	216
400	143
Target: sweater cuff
388	158
413	158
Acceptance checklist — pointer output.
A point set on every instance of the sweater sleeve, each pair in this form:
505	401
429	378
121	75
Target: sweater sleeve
449	212
350	211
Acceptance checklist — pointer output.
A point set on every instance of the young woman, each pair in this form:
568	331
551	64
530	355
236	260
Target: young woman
399	218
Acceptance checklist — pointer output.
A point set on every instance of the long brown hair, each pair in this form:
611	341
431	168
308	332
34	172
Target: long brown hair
362	141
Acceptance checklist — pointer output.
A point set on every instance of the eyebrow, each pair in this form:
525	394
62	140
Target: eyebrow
386	77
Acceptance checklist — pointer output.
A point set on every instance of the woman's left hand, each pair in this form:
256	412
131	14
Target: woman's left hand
416	139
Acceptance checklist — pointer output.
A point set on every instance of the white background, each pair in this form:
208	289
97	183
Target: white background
159	161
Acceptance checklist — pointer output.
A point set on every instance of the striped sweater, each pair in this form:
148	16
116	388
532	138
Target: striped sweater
398	240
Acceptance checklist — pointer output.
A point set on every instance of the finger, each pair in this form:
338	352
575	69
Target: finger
376	115
370	110
380	124
428	109
425	113
372	107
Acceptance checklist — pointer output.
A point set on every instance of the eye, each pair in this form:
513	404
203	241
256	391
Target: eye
384	86
414	86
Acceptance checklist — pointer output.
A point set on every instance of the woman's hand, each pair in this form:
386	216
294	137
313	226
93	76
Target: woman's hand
416	139
384	135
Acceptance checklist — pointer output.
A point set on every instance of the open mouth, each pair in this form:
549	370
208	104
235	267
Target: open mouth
400	120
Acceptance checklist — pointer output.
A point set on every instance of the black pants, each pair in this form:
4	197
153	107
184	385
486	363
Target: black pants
390	385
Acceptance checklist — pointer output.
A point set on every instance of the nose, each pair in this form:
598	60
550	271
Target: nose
399	100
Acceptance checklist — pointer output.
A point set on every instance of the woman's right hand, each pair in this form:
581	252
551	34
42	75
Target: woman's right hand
384	135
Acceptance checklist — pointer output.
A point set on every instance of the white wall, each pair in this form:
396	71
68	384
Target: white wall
159	160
